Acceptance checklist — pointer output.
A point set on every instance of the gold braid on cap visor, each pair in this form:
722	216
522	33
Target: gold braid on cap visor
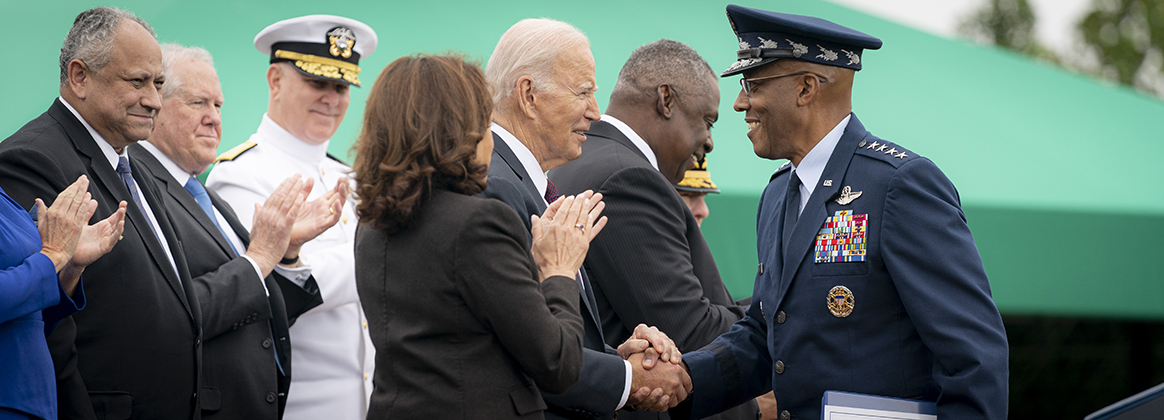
698	179
323	66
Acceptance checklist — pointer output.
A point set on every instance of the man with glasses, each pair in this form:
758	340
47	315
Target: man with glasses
869	280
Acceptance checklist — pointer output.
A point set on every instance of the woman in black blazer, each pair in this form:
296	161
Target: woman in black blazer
468	319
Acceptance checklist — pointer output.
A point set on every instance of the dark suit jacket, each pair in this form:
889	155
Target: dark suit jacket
923	324
650	264
462	327
240	321
599	390
134	352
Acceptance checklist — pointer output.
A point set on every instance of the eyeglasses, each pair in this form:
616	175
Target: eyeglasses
749	85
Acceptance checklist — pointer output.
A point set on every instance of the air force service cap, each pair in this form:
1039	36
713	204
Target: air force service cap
321	46
769	36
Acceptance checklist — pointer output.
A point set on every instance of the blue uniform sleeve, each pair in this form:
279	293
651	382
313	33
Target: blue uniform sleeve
732	369
28	287
931	257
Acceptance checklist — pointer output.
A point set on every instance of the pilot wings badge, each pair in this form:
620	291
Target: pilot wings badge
847	196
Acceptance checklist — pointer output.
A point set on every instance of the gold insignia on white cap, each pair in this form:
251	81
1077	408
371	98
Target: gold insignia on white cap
323	46
342	40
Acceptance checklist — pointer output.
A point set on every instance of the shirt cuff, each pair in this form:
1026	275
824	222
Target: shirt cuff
297	275
258	273
626	387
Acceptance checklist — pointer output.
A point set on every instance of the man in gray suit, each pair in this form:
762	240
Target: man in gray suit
542	73
651	264
247	359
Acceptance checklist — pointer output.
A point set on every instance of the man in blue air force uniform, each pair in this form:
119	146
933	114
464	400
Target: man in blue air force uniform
869	280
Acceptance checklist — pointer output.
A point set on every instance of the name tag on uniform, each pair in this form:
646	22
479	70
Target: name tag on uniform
842	238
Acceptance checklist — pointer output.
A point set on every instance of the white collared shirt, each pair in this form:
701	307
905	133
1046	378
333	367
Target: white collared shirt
332	353
812	166
526	157
634	138
112	156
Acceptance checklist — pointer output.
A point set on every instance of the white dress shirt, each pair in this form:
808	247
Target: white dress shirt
332	353
634	138
813	164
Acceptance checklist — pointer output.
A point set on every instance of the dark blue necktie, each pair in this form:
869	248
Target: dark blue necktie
127	178
791	206
199	192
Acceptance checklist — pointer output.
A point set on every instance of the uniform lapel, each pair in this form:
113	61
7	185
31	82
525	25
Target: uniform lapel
813	216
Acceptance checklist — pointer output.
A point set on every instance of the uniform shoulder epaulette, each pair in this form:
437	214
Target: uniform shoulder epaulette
235	152
782	168
332	157
890	153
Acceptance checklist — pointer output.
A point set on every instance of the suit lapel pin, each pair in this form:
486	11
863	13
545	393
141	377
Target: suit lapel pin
840	301
847	196
827	183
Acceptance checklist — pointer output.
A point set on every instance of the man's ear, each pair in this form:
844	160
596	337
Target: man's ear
274	76
809	89
78	76
526	97
665	101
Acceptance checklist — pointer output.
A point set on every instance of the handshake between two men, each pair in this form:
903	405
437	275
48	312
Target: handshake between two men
659	381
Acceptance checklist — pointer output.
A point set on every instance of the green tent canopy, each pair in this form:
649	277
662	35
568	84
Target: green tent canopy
1056	171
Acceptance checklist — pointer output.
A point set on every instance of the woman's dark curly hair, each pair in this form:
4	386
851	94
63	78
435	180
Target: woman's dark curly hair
422	122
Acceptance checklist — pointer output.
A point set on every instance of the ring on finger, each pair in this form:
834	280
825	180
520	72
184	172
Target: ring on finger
331	210
580	227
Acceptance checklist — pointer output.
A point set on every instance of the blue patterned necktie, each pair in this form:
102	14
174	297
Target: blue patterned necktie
199	192
127	178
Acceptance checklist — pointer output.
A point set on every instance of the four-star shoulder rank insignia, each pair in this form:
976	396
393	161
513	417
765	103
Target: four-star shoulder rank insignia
873	145
901	155
847	196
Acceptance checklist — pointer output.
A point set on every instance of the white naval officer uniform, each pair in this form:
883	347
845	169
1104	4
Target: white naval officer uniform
331	353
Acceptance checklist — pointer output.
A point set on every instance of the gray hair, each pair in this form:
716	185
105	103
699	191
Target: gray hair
174	53
529	48
662	62
91	38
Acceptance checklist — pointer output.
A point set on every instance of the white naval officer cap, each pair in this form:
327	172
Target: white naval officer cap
321	46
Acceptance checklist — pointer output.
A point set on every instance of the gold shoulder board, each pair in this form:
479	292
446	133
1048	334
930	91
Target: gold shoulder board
236	151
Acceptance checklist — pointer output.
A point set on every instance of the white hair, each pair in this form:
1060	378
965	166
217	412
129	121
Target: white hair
174	53
529	48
